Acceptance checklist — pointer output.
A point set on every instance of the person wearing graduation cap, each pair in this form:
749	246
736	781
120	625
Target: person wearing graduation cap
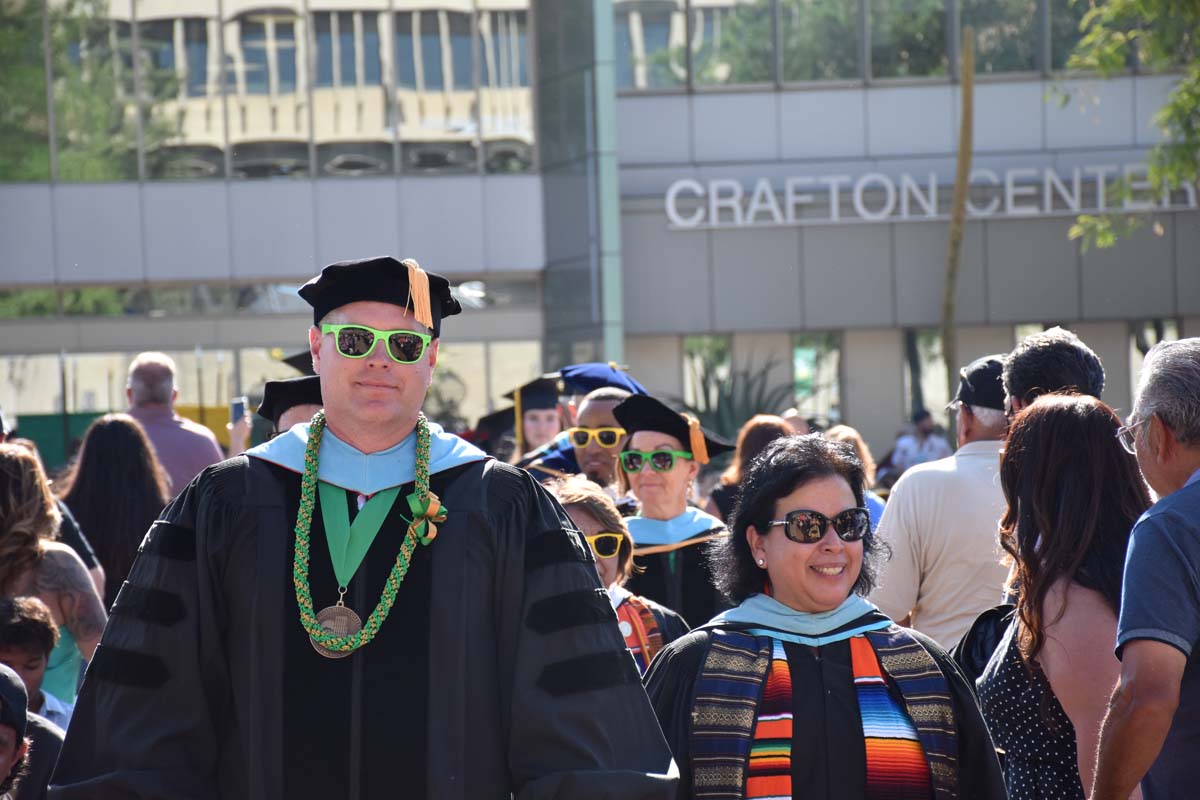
538	413
665	452
290	402
591	447
364	607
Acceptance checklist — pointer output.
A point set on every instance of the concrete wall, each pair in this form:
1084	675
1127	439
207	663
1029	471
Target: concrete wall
259	231
829	277
888	129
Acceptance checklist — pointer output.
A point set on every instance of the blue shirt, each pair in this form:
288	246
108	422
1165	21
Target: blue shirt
1160	600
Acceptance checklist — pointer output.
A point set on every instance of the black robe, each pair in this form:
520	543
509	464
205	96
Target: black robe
828	752
500	670
680	580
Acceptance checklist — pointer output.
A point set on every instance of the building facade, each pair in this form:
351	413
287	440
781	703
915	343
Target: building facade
704	190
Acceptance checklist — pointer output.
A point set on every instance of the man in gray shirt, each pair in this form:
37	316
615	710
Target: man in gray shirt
184	447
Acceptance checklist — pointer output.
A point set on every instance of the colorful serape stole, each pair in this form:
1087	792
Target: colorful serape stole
896	766
640	629
724	713
769	776
927	700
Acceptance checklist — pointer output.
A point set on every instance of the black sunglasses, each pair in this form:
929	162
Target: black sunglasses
808	527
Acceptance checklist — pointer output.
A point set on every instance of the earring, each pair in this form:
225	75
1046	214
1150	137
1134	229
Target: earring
761	562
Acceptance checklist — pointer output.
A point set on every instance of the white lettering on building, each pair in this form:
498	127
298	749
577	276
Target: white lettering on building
878	197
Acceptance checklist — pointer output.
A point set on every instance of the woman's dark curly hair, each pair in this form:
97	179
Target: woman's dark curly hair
786	465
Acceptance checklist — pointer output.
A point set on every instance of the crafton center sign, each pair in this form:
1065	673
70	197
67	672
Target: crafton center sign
876	197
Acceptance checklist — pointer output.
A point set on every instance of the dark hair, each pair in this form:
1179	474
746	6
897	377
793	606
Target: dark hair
758	432
1073	496
1054	360
920	415
26	624
115	489
19	770
786	465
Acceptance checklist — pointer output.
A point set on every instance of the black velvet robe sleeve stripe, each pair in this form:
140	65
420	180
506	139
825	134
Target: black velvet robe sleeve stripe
979	774
147	721
584	742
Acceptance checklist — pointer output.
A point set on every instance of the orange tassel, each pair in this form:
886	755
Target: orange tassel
418	293
696	437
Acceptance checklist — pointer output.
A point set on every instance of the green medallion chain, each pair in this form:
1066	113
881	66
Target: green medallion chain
427	510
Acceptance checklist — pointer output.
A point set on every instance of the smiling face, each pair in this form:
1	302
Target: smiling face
597	462
663	494
540	426
810	577
372	399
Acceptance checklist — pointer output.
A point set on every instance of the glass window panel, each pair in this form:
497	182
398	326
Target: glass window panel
650	45
355	131
459	393
925	374
323	25
460	50
349	76
372	66
405	52
1065	16
707	361
285	52
268	121
1006	38
505	97
816	359
254	56
438	117
157	39
820	39
20	303
195	37
908	38
104	301
93	100
735	45
24	126
623	48
431	50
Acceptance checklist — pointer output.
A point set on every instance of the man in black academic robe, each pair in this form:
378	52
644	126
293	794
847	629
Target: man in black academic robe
499	671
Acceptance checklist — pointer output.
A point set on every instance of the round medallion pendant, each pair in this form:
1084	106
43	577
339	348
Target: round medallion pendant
339	621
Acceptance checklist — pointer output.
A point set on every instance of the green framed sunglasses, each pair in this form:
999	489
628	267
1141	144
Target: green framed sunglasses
357	341
660	460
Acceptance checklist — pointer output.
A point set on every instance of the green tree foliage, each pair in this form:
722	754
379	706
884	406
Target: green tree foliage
725	398
908	38
95	104
24	125
1161	35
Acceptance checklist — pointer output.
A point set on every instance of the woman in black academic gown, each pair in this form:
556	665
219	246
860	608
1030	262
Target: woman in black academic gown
879	711
660	461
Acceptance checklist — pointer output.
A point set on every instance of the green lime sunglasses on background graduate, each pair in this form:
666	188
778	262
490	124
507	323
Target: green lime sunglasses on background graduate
357	341
660	460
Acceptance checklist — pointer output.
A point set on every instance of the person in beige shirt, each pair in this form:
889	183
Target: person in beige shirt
942	519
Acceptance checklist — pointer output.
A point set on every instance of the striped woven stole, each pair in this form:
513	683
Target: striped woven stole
723	713
770	771
640	629
926	700
737	726
896	766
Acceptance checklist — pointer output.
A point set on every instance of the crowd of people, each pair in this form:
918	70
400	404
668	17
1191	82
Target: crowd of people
367	605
